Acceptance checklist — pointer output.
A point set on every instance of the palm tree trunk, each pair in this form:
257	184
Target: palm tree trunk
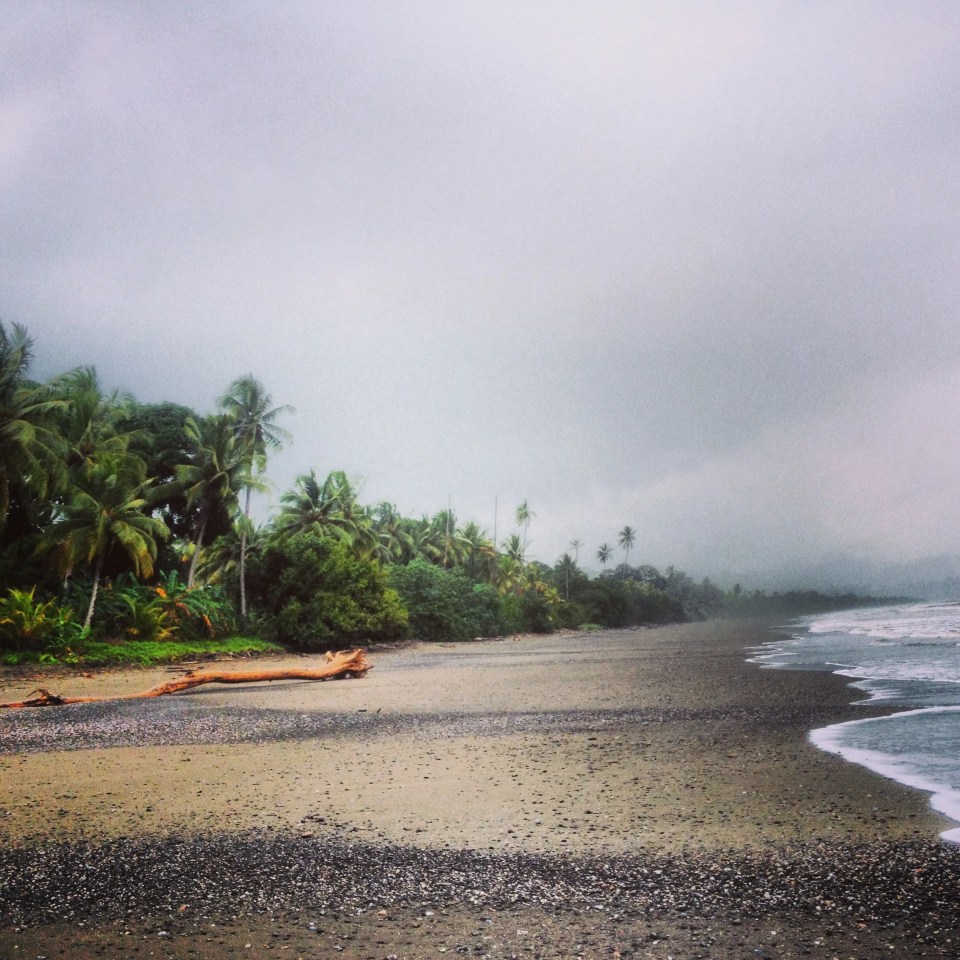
93	592
196	547
243	561
4	498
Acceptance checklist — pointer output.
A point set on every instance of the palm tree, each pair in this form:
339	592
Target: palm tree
510	574
481	560
575	546
354	518
395	543
214	477
565	566
524	516
306	506
604	553
30	451
513	547
256	430
91	422
106	512
223	556
330	507
627	537
450	547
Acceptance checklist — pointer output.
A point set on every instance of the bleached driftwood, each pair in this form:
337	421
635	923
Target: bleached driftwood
348	663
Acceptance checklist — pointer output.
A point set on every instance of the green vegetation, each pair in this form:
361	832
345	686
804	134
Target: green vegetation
447	604
126	536
319	595
796	603
142	653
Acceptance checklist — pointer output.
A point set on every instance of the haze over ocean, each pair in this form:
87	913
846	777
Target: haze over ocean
907	656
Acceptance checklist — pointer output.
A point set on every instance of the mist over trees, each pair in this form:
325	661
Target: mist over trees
121	520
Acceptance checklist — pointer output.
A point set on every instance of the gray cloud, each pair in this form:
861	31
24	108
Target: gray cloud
683	267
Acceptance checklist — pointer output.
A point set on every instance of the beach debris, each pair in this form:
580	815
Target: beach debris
342	665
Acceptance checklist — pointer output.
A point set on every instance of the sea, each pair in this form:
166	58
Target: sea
905	656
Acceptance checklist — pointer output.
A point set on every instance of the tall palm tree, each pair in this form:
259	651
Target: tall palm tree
575	546
524	516
92	420
565	566
213	478
30	449
604	553
627	538
255	427
106	512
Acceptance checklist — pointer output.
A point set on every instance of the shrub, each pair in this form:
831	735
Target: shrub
30	624
535	612
623	603
316	595
447	604
569	615
198	611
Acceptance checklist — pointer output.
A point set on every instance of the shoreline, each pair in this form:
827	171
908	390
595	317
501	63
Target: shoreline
941	798
581	764
901	767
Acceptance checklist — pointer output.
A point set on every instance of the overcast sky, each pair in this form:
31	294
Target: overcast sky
692	267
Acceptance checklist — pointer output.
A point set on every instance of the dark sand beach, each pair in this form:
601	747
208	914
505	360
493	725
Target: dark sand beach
640	793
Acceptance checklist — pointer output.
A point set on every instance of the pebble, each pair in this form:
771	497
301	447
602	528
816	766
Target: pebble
232	874
172	721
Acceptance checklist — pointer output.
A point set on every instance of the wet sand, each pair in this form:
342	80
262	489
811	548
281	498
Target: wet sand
647	793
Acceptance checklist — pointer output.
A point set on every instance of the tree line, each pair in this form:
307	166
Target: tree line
126	520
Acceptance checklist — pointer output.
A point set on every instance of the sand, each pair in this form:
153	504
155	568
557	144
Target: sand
631	768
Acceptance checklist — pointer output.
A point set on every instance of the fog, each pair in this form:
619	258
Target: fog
682	266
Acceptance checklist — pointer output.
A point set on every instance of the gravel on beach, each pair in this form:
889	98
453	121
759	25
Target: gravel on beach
639	793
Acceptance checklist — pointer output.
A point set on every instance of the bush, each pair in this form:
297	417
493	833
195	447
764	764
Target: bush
446	604
129	610
30	624
624	603
315	595
535	613
569	615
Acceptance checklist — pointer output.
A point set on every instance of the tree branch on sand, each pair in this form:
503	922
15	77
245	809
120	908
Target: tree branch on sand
343	665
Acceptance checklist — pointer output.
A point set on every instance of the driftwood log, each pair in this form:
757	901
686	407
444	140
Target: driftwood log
348	663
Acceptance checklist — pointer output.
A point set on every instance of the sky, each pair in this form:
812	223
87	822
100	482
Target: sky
684	266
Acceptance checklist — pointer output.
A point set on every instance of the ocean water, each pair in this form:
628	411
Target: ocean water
908	657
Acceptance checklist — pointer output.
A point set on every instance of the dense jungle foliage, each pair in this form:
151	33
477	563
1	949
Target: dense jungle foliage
127	527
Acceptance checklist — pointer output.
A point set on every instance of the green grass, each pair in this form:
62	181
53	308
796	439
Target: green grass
144	652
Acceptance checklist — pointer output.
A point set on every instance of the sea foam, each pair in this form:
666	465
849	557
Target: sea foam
930	770
906	655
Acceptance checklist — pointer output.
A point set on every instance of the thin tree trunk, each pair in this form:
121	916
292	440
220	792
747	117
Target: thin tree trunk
197	545
93	592
347	663
4	498
243	561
